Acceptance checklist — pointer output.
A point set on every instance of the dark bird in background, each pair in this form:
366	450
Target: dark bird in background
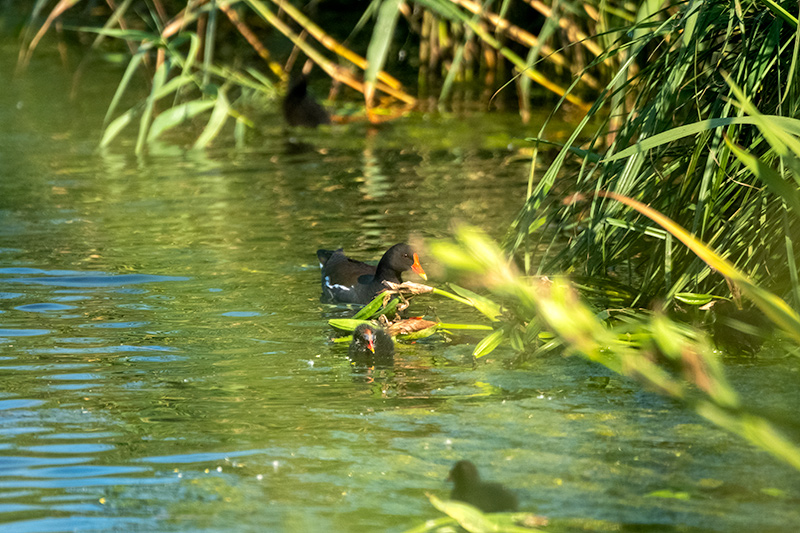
345	280
300	108
740	331
468	488
370	343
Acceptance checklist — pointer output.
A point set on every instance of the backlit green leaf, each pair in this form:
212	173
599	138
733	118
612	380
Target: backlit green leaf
488	344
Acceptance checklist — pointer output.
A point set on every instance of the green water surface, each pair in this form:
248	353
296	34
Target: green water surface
165	363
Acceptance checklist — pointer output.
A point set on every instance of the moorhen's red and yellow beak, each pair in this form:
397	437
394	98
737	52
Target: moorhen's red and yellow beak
417	267
370	335
371	345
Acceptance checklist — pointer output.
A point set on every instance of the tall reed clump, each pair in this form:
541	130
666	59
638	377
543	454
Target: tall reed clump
678	114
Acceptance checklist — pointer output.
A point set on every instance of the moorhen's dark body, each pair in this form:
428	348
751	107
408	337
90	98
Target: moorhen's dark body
300	108
370	343
488	497
345	280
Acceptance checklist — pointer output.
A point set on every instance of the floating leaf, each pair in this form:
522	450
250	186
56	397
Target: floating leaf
474	521
675	495
346	324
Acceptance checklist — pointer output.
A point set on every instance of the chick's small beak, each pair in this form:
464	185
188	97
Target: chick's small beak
371	342
417	267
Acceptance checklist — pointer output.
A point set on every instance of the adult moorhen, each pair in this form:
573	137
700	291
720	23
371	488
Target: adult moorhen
370	343
468	488
345	280
300	108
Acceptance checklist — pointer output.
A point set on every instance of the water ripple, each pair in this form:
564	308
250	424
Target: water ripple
197	457
19	403
123	348
71	448
95	280
23	332
43	307
79	523
83	482
83	471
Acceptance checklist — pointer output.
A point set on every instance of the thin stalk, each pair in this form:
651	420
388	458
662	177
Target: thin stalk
328	66
523	37
475	327
452	296
211	31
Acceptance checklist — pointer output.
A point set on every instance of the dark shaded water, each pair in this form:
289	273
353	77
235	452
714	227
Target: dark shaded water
165	364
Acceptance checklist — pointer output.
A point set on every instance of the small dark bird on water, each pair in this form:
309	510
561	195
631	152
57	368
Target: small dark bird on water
346	280
740	331
300	108
488	497
370	343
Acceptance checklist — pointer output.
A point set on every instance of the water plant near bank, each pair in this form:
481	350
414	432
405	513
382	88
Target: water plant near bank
701	92
217	62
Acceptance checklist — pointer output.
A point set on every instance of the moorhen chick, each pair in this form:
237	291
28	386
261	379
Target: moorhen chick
300	108
370	342
345	280
468	488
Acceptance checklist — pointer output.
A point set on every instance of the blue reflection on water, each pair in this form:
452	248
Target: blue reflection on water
43	307
70	279
78	523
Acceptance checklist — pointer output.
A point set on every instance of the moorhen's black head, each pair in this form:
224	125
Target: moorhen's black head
370	342
464	473
398	259
300	108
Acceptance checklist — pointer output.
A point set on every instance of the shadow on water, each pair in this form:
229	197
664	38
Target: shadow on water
166	364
